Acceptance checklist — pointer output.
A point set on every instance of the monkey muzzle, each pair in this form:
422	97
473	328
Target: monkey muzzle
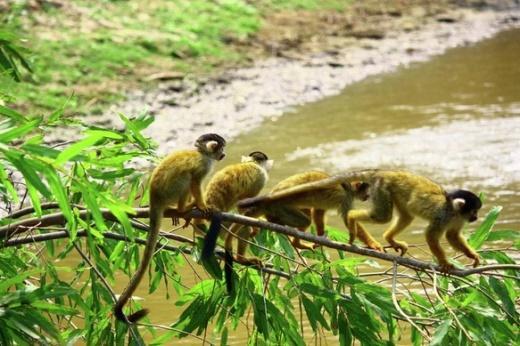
473	218
221	156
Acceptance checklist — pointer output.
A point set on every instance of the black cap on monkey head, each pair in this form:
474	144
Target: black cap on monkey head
212	137
471	201
258	156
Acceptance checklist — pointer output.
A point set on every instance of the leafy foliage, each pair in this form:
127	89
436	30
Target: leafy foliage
328	297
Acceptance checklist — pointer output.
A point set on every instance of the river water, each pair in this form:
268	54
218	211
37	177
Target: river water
455	119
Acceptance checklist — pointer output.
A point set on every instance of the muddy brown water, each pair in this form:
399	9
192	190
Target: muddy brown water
455	119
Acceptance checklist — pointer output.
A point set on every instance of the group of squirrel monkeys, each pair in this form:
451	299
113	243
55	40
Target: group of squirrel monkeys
297	201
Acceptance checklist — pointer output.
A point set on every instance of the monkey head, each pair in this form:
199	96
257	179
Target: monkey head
259	158
360	189
466	203
212	145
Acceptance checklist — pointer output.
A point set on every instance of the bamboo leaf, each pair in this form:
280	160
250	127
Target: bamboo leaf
19	131
440	333
480	235
76	148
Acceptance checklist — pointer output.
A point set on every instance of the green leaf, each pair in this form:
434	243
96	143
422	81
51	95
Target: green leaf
480	235
8	112
4	179
61	197
440	333
224	337
76	148
26	167
501	290
19	131
505	234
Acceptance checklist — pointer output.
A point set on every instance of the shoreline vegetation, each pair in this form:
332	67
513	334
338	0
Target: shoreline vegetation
87	57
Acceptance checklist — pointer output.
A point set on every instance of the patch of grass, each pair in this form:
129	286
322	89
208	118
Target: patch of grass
89	52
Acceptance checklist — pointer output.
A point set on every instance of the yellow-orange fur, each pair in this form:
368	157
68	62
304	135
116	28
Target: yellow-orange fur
177	176
414	195
226	188
298	209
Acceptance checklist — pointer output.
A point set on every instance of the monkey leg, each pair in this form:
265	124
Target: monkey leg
402	221
367	238
318	217
243	234
181	208
458	242
380	212
302	222
433	235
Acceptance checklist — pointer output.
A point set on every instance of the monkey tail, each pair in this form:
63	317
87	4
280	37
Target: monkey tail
228	271
207	256
251	202
156	214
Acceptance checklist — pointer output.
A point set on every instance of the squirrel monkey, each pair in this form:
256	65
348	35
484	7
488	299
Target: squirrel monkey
413	195
299	209
177	176
224	190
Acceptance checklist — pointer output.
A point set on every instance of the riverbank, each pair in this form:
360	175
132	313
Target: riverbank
242	98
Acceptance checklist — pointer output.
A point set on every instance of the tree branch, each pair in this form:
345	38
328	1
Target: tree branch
58	219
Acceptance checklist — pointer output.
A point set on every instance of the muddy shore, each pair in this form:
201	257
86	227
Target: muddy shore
240	99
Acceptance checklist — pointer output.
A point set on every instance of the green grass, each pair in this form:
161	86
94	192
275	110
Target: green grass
91	52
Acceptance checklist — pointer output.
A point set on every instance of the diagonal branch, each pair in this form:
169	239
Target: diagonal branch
58	219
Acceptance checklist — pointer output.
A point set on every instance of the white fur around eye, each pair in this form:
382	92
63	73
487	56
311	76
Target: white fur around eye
246	159
211	145
458	203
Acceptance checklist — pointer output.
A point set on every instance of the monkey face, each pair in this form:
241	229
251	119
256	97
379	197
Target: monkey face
361	190
467	203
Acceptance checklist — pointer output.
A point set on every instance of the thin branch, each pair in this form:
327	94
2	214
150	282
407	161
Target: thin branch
116	236
58	218
398	307
457	321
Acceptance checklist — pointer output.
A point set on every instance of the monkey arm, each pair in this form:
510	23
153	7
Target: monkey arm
356	229
434	232
458	242
196	191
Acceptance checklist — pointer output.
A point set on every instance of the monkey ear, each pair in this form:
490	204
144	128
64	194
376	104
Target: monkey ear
211	145
458	203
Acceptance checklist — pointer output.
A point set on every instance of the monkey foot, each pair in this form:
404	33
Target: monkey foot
249	261
175	221
400	247
375	246
304	245
476	260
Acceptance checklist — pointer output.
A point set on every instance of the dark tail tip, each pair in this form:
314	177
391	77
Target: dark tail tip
133	318
228	271
210	240
136	316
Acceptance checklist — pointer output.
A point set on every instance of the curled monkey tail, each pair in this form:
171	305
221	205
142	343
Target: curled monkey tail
207	256
156	214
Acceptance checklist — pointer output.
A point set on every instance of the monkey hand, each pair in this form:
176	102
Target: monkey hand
446	267
175	221
375	246
206	211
